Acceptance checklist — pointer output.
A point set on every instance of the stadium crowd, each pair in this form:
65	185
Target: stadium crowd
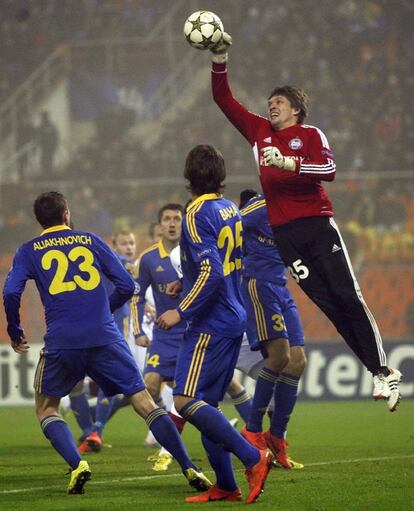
30	31
353	58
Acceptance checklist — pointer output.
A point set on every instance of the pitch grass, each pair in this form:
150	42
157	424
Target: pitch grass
324	436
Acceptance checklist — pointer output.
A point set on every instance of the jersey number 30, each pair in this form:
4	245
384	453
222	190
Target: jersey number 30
59	284
226	236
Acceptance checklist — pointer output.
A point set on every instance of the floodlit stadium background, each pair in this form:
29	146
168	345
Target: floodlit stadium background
129	98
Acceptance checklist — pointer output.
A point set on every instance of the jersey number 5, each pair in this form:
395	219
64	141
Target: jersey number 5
298	270
59	284
226	236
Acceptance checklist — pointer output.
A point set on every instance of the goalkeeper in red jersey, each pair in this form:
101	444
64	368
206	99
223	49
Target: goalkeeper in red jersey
293	159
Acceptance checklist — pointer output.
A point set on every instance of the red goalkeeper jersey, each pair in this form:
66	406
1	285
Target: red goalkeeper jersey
289	195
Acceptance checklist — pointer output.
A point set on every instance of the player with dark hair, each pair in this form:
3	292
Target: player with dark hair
211	303
273	326
154	269
293	159
81	337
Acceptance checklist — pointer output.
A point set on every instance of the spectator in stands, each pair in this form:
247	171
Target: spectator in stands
48	142
370	39
365	210
391	211
25	137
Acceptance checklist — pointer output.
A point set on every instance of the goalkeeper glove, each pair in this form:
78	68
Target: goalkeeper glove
220	50
275	158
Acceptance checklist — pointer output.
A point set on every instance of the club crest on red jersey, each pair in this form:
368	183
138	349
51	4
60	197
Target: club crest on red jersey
295	144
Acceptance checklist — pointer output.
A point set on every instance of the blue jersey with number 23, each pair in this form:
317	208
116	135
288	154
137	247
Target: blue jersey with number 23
68	268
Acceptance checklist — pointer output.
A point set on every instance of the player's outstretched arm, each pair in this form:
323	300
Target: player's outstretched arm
243	120
220	51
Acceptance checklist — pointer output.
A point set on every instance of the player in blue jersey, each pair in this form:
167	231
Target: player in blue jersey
154	269
92	421
124	245
242	401
81	337
273	326
212	305
166	398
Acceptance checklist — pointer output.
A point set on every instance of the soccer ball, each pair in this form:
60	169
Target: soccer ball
203	30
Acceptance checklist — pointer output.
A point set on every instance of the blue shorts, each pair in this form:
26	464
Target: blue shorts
162	356
271	313
111	366
205	366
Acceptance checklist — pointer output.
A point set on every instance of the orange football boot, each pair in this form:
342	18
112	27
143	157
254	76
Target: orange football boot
256	476
215	493
254	438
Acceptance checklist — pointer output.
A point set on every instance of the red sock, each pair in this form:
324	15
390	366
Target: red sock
178	421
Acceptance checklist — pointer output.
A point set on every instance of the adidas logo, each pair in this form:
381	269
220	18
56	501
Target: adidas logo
268	140
159	268
335	248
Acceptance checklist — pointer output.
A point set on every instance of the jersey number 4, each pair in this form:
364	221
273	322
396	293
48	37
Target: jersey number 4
59	284
231	241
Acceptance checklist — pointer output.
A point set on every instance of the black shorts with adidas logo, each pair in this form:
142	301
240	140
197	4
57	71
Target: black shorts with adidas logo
316	257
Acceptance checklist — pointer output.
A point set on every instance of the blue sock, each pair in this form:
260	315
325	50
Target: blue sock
103	410
81	411
243	404
222	465
119	402
166	434
262	395
215	426
286	393
92	410
57	432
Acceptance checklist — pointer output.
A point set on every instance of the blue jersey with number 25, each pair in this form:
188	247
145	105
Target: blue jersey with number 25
211	251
